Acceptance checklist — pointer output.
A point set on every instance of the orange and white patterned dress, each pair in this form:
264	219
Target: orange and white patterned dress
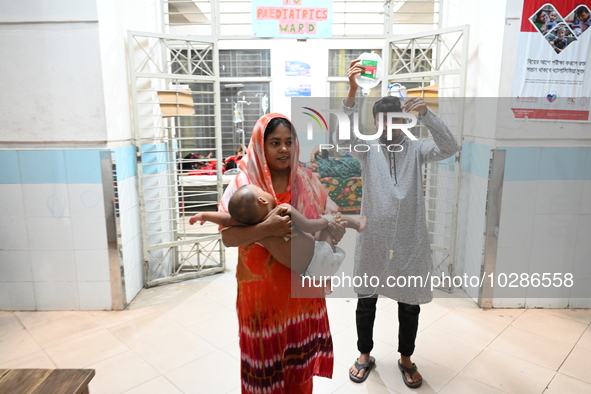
284	340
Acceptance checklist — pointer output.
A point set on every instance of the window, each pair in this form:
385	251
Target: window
245	63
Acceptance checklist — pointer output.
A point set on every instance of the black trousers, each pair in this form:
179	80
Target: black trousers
408	323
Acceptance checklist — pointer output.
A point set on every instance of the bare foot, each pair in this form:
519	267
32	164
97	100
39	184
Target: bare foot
362	224
363	358
416	376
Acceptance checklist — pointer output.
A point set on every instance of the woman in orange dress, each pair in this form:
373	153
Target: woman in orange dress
284	340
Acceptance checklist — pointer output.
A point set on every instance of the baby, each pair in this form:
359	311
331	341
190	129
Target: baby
553	21
251	205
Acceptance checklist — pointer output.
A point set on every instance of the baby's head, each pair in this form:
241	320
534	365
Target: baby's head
553	16
250	204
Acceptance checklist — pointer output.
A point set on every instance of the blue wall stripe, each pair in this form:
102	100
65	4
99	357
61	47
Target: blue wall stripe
587	170
9	168
50	166
566	164
83	166
475	159
154	158
522	164
125	159
42	166
531	163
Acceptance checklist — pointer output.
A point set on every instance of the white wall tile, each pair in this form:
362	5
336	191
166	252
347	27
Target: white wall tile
127	253
11	201
582	262
132	254
580	293
95	296
546	303
89	233
559	197
133	283
555	230
515	230
586	197
57	296
92	265
86	200
130	224
584	231
461	245
128	193
550	260
17	296
46	200
13	233
508	303
49	233
511	261
519	196
15	266
53	265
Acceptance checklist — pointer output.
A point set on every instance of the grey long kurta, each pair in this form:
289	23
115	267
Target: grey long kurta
396	213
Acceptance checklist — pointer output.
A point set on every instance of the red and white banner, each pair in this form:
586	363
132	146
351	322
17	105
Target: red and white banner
553	66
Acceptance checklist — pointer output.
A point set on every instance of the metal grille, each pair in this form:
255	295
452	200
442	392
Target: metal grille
245	63
175	88
437	59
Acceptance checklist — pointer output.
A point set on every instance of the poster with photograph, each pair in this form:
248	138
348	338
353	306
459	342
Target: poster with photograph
551	78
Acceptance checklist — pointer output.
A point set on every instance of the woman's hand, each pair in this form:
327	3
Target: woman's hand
278	222
336	231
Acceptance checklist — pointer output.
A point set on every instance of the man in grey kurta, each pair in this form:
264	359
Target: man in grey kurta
396	241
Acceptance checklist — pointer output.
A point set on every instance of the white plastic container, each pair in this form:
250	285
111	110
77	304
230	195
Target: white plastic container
372	75
397	90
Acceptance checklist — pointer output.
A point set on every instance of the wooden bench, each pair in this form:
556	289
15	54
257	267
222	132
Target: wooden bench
45	381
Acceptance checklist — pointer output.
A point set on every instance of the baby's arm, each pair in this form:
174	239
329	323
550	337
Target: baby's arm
219	218
303	223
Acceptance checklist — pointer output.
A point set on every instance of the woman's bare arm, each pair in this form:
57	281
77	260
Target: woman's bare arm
295	254
276	224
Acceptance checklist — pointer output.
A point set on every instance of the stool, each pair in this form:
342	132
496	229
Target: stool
45	381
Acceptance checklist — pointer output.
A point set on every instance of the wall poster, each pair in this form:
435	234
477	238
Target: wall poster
552	75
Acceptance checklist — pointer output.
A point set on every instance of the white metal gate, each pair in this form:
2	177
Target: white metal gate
176	116
418	61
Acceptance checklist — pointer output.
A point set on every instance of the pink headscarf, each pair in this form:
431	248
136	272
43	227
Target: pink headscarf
308	196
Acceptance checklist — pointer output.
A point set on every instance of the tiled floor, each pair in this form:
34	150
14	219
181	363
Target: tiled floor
182	338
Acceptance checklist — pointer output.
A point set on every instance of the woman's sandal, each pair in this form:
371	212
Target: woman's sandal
410	372
368	366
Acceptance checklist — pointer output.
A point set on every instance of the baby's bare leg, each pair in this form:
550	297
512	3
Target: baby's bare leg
357	224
